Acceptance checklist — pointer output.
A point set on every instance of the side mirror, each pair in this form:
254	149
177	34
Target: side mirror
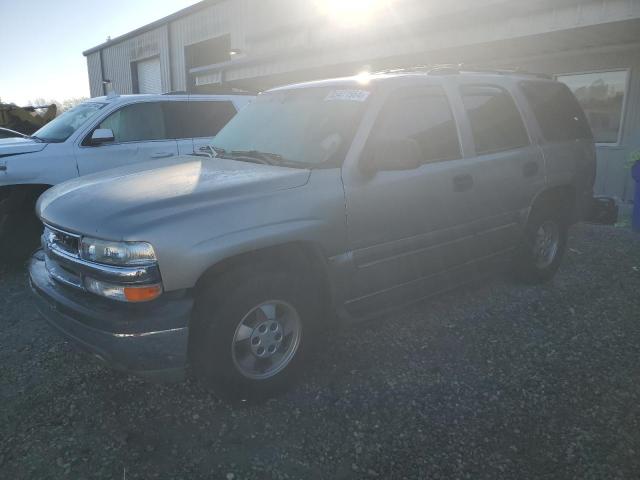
401	154
102	135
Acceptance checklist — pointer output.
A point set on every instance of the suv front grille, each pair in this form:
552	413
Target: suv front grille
57	242
67	242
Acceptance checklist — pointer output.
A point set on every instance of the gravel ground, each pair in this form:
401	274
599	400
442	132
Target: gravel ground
493	381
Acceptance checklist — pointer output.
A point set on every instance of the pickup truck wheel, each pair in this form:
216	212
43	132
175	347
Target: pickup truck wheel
20	229
543	246
19	235
251	332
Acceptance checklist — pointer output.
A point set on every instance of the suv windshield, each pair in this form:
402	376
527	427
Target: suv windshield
304	126
62	127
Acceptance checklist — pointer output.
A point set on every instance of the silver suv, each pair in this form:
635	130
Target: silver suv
331	199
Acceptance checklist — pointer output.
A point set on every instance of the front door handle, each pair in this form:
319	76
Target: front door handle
462	183
530	169
162	155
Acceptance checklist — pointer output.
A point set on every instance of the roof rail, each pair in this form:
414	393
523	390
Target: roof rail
176	92
457	68
501	71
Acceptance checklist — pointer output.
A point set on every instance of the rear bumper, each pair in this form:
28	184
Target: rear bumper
145	339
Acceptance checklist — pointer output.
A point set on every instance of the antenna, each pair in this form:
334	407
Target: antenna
108	87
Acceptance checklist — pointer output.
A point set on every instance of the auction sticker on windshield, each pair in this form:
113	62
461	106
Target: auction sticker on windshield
348	95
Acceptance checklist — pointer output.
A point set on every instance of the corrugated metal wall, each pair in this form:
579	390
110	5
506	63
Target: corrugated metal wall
95	74
217	20
117	60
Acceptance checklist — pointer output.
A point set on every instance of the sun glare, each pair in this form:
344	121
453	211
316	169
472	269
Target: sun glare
352	13
363	78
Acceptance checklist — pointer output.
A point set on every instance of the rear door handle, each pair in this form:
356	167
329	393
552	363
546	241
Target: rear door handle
462	182
162	155
530	169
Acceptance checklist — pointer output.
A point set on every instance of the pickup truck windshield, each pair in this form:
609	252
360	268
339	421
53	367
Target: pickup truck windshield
304	126
62	127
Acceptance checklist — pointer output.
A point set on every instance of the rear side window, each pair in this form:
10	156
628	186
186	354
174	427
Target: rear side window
557	111
495	121
195	119
424	117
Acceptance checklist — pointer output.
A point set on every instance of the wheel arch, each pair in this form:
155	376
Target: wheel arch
558	195
299	255
18	195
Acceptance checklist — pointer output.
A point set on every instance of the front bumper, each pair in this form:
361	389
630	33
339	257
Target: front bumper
145	339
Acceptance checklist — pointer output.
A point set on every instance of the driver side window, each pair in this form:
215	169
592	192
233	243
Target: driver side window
137	123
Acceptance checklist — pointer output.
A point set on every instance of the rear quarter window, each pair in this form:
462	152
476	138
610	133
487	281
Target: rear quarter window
557	111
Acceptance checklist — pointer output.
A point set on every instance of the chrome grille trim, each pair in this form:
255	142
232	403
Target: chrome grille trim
59	274
60	240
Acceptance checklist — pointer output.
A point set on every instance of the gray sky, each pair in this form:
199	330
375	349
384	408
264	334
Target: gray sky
41	41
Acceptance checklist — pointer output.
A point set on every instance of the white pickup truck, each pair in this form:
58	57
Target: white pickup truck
99	134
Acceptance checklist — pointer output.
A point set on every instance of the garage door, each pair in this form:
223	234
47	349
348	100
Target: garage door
149	76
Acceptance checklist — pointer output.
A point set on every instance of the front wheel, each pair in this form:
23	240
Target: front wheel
543	246
251	332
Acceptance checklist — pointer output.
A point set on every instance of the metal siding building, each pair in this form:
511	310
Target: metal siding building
281	41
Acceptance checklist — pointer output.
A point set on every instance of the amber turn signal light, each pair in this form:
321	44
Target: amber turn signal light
142	294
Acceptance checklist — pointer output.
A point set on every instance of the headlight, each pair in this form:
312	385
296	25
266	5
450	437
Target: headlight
116	253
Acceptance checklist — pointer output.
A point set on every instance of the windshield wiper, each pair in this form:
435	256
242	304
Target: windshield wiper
257	156
37	139
264	157
245	156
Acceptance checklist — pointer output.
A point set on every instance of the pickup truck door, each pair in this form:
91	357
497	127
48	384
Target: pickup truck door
408	228
141	133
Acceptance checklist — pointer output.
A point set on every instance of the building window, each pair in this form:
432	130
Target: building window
601	95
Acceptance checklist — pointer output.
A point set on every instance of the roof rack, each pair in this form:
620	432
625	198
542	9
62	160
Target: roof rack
457	68
221	92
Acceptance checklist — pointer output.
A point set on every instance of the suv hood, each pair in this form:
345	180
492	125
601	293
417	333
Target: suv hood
16	146
121	202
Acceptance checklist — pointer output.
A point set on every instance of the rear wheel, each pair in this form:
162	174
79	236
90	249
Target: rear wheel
252	331
543	246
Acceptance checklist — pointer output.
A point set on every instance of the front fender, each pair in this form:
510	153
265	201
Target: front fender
47	167
313	214
184	270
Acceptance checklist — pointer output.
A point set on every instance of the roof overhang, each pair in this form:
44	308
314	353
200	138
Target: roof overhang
153	25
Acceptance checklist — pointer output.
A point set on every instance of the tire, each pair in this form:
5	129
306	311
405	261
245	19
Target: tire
252	330
543	245
20	232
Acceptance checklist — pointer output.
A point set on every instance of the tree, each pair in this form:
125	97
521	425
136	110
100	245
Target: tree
61	106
